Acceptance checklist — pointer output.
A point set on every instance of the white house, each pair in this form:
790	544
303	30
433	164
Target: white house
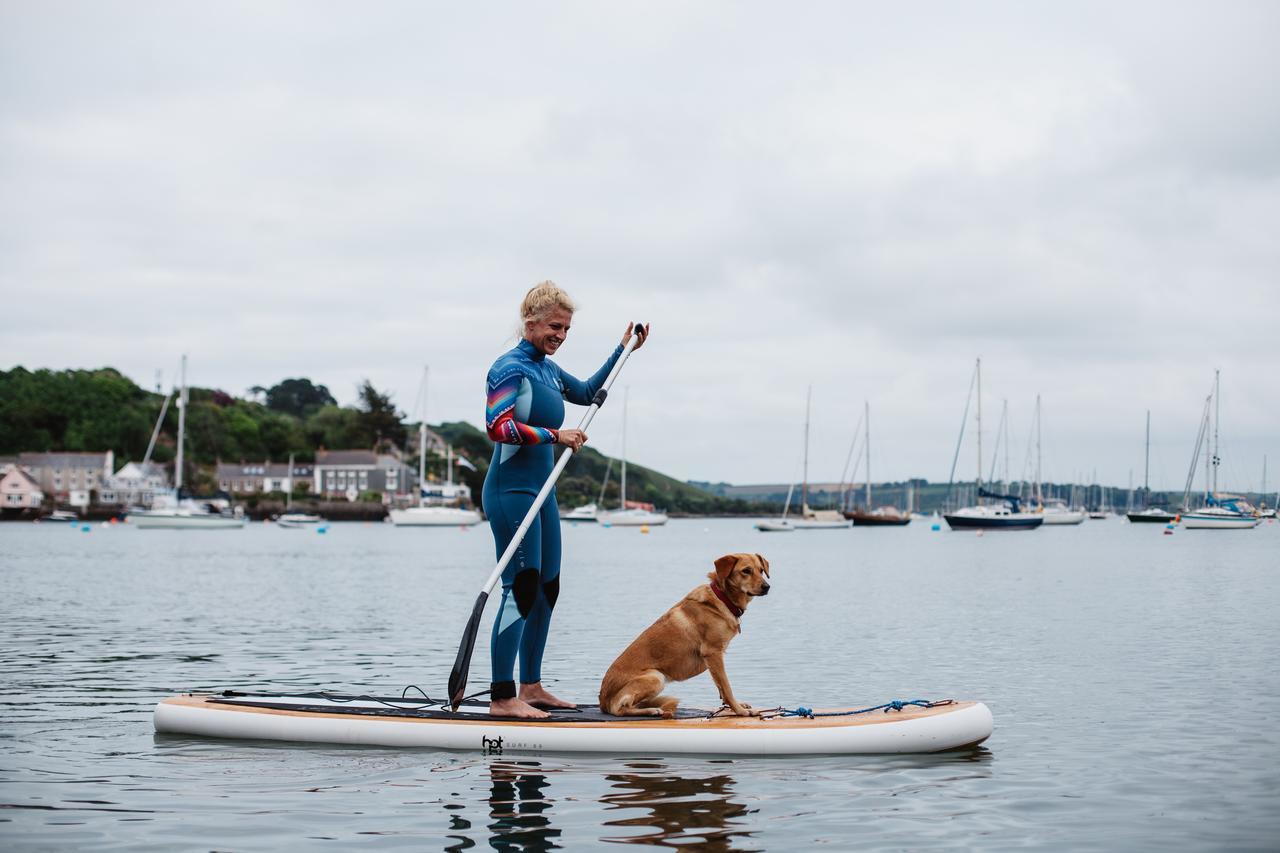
135	484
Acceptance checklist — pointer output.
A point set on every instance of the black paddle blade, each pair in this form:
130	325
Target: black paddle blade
458	677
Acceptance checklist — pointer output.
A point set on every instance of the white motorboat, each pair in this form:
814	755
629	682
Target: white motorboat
61	515
633	517
434	516
586	512
298	520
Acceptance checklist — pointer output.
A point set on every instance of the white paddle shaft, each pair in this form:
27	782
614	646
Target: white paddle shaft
555	472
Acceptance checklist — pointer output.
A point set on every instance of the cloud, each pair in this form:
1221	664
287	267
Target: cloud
858	199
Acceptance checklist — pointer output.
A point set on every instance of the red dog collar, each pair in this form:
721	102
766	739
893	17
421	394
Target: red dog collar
733	608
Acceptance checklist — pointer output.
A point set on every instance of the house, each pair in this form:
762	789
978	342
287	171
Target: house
243	477
18	489
342	473
61	474
135	484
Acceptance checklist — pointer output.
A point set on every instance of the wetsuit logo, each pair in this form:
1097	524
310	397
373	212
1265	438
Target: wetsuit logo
490	746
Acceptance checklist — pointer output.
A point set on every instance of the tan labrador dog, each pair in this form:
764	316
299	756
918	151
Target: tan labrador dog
687	640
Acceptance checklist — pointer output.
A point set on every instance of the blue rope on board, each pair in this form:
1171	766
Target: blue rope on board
891	705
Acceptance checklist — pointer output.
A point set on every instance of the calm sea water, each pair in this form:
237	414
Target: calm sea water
1133	677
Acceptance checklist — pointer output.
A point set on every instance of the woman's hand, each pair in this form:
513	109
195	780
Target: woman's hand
642	332
571	438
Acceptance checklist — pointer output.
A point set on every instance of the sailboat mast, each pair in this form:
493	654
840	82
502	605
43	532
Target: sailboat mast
1039	458
977	496
449	463
626	395
1217	417
288	485
422	440
868	417
804	488
182	427
1146	465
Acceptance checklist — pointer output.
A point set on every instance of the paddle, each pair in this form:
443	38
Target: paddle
458	677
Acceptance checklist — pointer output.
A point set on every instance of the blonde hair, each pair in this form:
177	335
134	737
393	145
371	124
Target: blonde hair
540	299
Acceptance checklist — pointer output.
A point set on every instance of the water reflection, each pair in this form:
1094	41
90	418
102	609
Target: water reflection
519	810
680	810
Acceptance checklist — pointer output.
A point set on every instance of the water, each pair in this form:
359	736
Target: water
1133	677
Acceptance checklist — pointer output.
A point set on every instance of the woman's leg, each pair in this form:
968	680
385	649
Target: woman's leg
520	589
538	623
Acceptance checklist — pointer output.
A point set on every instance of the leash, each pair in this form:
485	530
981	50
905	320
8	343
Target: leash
892	705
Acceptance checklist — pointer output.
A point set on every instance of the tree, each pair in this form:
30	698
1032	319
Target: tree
298	397
379	418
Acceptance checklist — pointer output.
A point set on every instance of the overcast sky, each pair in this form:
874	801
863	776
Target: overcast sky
859	198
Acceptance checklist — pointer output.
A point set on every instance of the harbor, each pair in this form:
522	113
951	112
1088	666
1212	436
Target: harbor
1115	649
727	427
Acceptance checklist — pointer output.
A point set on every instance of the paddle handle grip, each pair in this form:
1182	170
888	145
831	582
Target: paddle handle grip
550	484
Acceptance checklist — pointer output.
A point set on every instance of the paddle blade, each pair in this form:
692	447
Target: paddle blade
458	677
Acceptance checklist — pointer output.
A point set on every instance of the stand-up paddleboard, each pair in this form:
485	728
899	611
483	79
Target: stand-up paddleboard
397	722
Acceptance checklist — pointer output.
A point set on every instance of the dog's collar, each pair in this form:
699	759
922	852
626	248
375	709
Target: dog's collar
733	608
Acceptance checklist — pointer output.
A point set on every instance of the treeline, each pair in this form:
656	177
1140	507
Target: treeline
97	410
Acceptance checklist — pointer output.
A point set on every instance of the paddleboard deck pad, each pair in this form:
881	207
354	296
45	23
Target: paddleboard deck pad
330	718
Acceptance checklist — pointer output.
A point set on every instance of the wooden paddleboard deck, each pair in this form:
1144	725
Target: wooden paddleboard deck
399	722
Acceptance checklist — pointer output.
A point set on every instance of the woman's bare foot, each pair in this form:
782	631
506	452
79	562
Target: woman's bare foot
516	708
537	696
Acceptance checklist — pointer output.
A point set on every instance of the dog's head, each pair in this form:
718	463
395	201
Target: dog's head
745	573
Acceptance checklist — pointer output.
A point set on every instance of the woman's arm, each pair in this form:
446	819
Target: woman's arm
579	392
500	413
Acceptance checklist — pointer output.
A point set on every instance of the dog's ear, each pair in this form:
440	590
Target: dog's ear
764	565
724	565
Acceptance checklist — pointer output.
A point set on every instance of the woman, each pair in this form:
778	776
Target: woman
524	413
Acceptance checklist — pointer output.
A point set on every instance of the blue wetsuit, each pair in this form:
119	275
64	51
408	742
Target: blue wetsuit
526	394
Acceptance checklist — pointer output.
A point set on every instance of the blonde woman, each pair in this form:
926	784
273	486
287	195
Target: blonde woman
526	395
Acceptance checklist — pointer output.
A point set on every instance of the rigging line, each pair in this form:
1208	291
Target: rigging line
964	419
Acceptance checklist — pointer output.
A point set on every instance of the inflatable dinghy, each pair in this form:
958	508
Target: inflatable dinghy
895	727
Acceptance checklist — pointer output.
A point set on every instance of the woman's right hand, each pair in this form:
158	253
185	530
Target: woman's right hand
572	438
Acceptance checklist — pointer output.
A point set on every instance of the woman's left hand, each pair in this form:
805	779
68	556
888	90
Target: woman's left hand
642	332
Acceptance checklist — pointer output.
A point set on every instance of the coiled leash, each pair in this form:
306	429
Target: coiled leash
809	713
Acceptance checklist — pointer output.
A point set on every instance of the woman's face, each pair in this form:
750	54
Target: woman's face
548	332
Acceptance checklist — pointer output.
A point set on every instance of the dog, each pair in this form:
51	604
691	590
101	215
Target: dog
687	640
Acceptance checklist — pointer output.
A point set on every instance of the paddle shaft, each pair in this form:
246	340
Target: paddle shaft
461	666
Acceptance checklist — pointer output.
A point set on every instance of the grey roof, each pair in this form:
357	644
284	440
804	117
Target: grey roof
275	470
64	460
22	474
346	457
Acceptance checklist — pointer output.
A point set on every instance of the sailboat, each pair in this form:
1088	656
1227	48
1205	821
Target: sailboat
1220	512
294	520
434	515
1149	514
172	510
779	525
589	512
1006	515
1054	511
1265	511
883	515
637	514
811	519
